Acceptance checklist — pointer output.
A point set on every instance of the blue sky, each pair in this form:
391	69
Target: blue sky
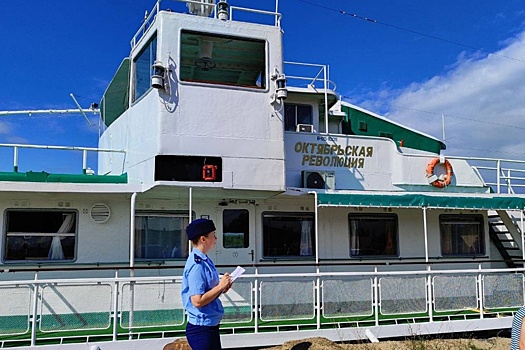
465	59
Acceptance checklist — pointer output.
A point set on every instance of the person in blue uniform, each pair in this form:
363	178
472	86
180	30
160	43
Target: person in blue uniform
201	288
518	331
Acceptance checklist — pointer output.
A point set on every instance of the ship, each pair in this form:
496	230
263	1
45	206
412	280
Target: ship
349	225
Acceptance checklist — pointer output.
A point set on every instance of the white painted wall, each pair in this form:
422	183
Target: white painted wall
238	124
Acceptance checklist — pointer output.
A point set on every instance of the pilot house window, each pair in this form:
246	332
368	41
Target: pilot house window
226	60
40	235
143	68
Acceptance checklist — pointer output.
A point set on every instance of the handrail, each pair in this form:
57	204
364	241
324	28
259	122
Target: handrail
277	15
150	18
500	173
115	299
84	151
161	264
148	21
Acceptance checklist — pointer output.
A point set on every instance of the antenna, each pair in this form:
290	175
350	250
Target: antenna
80	109
443	125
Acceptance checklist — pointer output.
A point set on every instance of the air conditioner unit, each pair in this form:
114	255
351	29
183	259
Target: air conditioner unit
319	179
304	128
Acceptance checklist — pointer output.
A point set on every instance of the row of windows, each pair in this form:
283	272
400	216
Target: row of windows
51	235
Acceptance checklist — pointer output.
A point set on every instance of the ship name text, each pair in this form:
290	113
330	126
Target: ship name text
320	154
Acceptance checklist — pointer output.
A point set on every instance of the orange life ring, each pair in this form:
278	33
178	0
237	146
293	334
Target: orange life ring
445	181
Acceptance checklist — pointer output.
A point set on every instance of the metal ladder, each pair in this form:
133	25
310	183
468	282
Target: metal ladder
502	237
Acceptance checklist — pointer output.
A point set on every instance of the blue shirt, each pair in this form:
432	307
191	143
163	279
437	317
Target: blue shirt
199	277
516	329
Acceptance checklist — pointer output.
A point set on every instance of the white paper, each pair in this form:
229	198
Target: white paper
236	273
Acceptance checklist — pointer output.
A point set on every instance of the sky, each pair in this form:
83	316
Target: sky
411	61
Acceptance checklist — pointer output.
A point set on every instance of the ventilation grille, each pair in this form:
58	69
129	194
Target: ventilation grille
100	213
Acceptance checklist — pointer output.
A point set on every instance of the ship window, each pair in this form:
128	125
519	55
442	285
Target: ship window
161	236
288	235
373	235
40	235
296	114
143	68
235	228
226	60
461	235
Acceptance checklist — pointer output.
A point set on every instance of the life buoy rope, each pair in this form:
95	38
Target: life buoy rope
444	180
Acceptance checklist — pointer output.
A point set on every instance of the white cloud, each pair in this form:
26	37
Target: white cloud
483	99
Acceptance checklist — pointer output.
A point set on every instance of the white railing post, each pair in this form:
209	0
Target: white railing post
480	288
509	184
115	307
325	85
376	297
35	310
15	159
84	161
256	301
318	299
430	295
498	176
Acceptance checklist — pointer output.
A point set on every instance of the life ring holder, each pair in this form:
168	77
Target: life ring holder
442	181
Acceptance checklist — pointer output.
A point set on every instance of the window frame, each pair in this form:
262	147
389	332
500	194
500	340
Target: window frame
152	59
6	234
478	219
246	235
163	214
308	215
265	81
295	105
376	217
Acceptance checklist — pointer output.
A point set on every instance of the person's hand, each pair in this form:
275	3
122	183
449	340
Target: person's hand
225	283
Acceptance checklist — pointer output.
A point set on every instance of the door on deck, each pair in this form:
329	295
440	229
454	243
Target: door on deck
235	235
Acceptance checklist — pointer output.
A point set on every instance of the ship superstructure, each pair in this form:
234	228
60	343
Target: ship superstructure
349	226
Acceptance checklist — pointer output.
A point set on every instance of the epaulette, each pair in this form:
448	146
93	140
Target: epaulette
197	258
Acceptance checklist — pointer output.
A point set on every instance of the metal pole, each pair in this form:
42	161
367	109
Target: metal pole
15	165
430	295
115	308
376	297
498	176
256	301
325	99
190	214
35	311
522	237
480	286
425	230
276	11
316	218
132	233
84	161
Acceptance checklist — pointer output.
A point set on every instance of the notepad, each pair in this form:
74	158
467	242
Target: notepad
236	273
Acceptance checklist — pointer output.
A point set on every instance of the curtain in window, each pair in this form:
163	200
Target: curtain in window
354	237
141	225
306	238
55	251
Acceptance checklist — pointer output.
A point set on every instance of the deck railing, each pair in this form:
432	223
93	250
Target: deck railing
62	310
85	151
503	175
149	18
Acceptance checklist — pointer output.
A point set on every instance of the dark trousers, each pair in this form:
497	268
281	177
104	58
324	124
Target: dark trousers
203	337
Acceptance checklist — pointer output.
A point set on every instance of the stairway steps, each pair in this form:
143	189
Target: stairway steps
504	241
